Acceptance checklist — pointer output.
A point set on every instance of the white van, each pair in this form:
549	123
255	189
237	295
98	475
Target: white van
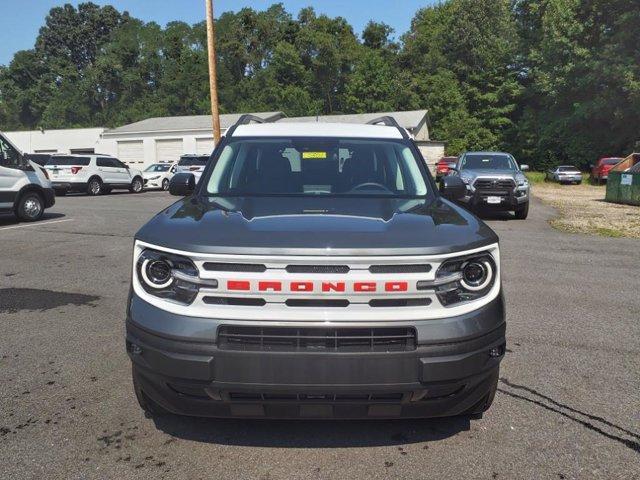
25	189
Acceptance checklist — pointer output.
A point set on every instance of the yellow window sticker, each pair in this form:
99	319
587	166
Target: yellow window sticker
315	155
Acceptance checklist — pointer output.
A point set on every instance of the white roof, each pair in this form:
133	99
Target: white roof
313	129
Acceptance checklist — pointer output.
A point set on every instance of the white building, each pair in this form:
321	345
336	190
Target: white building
72	140
164	139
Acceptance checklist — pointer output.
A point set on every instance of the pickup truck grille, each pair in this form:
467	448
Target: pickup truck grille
490	184
290	339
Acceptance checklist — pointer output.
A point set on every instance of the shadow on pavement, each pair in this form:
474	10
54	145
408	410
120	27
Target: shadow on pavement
311	434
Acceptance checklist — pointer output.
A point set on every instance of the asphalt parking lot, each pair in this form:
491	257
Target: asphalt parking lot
568	404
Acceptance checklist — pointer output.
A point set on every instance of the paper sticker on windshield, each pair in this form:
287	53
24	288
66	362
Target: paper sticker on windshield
314	155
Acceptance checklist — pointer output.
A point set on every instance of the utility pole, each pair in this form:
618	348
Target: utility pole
213	84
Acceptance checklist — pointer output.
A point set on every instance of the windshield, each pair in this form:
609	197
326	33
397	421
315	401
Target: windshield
316	166
157	168
611	161
67	161
191	161
488	161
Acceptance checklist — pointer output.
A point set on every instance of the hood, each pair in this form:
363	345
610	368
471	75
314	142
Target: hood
329	226
152	174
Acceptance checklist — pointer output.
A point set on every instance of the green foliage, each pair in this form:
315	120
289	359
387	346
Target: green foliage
553	81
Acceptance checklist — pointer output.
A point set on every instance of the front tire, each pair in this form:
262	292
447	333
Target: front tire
94	188
165	184
136	185
522	211
30	207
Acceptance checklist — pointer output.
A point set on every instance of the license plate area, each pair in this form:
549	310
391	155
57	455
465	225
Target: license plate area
493	200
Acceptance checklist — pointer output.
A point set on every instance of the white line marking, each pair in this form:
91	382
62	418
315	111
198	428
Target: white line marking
36	224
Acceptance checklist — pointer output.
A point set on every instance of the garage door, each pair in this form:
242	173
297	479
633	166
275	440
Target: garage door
131	151
204	146
168	150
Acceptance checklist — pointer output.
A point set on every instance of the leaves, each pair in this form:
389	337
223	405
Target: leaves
553	81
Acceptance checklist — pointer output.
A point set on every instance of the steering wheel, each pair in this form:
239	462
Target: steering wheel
370	185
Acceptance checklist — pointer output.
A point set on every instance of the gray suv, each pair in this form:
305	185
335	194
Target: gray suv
315	271
493	180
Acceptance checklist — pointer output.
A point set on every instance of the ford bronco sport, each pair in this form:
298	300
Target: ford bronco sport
315	272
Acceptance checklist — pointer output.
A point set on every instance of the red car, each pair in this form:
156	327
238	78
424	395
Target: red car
444	164
600	171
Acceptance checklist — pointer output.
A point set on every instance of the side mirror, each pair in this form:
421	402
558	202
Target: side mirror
452	188
524	168
182	184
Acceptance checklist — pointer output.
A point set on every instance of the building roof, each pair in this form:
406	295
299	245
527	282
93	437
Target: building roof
185	123
313	129
412	120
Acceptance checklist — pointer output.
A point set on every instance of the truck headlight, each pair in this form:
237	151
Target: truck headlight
168	276
471	278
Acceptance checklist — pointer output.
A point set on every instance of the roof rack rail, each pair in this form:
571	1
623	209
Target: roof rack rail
388	121
246	119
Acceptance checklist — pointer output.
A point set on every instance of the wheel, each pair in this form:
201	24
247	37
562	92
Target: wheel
484	404
165	184
522	211
150	408
94	187
136	185
30	207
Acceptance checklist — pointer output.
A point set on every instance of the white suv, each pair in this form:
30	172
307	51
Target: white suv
94	174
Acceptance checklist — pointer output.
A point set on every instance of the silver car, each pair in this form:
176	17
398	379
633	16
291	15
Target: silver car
494	180
564	174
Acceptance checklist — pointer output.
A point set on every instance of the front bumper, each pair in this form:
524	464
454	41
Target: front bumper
510	199
179	365
69	186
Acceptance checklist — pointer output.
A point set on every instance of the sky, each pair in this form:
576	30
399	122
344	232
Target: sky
20	20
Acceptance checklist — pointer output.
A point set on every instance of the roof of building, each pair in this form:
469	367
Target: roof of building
411	120
185	123
313	129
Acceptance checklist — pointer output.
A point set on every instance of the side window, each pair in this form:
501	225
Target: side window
117	163
9	157
103	162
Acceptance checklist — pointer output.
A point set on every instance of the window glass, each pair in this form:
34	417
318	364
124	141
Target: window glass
64	161
487	161
323	166
104	162
9	156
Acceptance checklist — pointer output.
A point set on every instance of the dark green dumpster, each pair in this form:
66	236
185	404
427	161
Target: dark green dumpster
623	187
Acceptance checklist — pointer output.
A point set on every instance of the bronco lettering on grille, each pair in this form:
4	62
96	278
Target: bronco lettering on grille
310	287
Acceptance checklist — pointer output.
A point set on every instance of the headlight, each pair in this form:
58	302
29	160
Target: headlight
470	278
466	177
155	178
522	180
169	276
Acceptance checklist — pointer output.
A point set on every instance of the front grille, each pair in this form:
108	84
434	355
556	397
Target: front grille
235	301
316	339
318	268
488	184
420	268
233	267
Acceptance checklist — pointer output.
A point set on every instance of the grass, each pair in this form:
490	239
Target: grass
535	177
582	209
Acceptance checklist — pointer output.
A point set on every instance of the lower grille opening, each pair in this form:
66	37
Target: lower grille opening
317	397
316	339
400	302
236	301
